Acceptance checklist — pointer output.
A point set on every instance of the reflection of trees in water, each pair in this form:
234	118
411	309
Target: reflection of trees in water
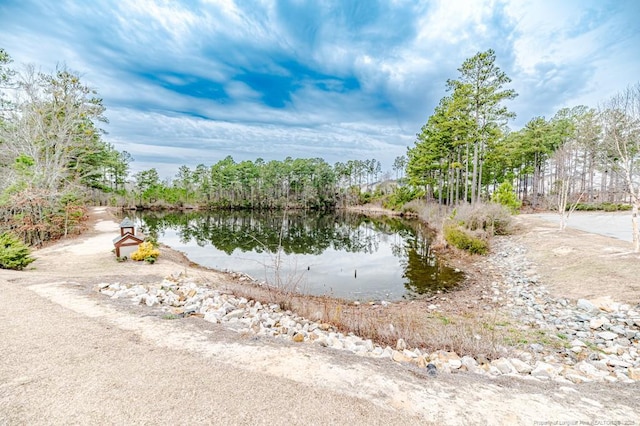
312	233
424	272
302	232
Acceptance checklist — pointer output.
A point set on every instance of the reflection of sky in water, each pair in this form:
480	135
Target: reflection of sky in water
347	256
379	274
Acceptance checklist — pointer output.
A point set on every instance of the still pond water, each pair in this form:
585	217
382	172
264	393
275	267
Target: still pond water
340	254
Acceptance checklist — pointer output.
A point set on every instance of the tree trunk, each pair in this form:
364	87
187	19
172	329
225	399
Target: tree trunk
634	226
474	177
466	174
480	163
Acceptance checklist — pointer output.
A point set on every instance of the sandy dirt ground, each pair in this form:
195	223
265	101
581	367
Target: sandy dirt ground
579	264
72	356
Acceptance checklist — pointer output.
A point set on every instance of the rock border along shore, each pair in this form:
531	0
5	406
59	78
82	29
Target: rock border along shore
598	340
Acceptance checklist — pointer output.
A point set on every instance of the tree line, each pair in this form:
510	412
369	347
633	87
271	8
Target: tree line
465	151
301	183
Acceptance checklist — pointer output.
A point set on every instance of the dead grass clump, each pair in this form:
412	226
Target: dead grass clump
491	218
470	334
431	213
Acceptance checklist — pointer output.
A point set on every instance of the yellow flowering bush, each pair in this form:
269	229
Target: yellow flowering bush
146	251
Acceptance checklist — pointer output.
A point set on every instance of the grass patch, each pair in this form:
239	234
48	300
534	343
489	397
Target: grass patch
464	240
170	316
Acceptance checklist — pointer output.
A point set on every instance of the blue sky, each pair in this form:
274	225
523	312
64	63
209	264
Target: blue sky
192	81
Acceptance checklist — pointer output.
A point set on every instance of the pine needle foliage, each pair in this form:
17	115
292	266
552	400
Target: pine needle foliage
14	254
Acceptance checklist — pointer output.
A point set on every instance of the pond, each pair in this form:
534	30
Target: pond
340	254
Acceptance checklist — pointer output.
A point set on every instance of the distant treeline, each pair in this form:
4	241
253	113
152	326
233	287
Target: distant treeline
301	183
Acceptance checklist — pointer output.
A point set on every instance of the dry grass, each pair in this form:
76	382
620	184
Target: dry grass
430	213
470	333
491	218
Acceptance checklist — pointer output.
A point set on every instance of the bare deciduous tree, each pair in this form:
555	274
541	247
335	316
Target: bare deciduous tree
620	118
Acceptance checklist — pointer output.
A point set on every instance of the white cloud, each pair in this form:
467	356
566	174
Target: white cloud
148	58
454	21
546	33
189	140
143	18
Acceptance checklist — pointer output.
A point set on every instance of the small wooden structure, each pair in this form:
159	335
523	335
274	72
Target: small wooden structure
127	242
127	226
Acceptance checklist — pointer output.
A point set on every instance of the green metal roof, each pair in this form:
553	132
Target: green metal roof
127	223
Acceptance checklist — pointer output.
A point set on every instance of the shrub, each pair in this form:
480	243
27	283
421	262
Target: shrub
613	207
145	251
400	196
505	196
492	218
365	197
585	207
464	240
606	206
14	254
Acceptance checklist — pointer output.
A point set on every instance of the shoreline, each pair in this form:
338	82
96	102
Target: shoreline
329	322
477	320
455	260
58	319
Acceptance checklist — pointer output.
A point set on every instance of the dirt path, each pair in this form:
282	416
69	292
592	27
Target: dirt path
72	356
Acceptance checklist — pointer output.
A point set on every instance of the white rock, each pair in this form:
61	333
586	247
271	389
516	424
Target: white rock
387	352
600	365
613	349
369	345
151	300
211	317
607	335
322	341
410	354
542	370
521	366
586	305
578	342
598	322
377	351
337	344
618	363
237	313
587	368
623	377
120	293
494	371
454	364
503	365
469	363
349	346
577	378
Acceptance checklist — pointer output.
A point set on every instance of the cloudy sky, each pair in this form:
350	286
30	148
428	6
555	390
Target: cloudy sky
192	81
